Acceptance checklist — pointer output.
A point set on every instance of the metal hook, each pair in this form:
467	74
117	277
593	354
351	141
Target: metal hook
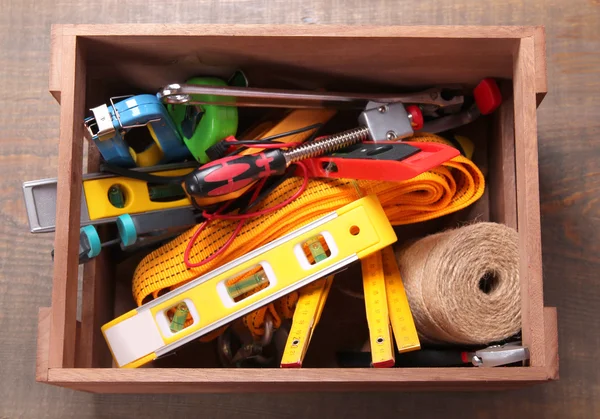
251	350
268	336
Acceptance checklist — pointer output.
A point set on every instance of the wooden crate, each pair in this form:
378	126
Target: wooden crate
91	62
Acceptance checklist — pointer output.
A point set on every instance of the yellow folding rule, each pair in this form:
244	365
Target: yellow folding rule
235	289
306	316
385	303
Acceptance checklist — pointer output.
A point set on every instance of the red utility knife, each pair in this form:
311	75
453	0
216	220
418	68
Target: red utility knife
382	160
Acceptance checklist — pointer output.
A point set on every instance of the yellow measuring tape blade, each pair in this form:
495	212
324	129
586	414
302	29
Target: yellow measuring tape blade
156	328
401	317
380	333
306	316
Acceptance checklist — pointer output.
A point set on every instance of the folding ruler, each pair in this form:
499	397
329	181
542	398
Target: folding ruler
247	283
387	309
96	204
385	302
307	314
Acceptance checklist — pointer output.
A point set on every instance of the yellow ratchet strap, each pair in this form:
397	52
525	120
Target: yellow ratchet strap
446	189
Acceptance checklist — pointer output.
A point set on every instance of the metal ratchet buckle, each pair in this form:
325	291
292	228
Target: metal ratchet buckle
279	98
497	355
102	119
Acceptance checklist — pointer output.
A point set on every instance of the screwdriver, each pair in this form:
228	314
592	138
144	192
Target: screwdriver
233	173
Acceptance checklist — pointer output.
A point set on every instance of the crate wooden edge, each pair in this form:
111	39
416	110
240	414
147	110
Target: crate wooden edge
528	201
282	380
43	340
68	206
144	380
455	31
541	69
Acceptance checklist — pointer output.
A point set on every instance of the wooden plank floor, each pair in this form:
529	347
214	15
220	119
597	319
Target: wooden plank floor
569	132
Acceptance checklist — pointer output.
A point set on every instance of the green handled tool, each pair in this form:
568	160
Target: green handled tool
202	126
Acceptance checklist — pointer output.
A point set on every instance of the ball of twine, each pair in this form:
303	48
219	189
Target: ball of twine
463	285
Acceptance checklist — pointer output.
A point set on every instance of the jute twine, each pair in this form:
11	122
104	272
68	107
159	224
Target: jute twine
463	284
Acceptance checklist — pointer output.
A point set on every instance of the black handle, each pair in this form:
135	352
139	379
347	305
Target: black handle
230	174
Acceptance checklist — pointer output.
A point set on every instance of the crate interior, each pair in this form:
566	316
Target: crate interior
144	64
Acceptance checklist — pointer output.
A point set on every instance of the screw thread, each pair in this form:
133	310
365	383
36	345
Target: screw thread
327	145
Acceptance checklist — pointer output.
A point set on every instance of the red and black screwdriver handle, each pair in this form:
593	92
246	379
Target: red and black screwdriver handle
231	174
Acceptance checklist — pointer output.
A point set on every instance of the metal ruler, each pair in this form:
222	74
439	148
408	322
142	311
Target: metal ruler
306	316
239	287
40	197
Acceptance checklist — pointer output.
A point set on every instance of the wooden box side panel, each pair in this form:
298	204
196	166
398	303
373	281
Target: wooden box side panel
219	380
541	69
502	171
274	30
528	201
113	34
43	341
54	70
551	334
153	380
68	206
97	297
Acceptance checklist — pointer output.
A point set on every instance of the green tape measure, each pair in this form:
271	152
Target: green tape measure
202	126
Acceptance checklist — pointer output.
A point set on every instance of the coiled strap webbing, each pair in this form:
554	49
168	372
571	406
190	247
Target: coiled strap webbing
441	191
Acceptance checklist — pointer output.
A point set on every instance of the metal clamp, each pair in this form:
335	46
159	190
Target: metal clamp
112	103
102	120
496	355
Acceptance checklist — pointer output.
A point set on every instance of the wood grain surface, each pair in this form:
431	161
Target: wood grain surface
569	172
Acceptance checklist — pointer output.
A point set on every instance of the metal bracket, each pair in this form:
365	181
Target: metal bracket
386	122
102	120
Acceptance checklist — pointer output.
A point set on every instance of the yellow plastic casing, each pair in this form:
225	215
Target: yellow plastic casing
137	198
352	232
307	314
376	306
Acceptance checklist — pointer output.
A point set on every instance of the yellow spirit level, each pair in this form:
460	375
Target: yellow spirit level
213	300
